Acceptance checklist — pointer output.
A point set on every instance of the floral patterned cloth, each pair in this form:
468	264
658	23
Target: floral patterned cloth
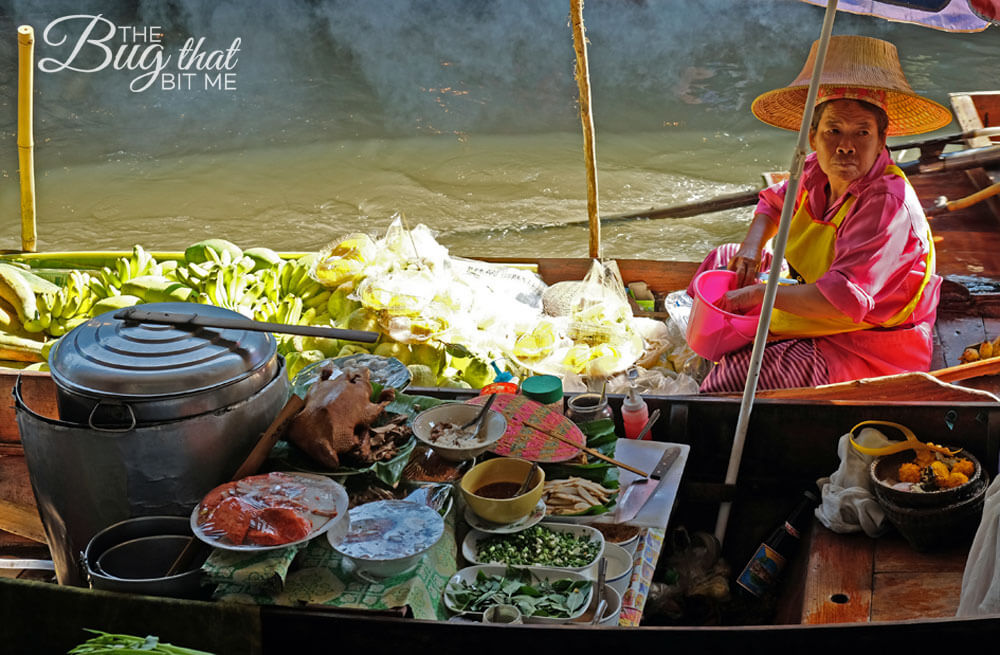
315	574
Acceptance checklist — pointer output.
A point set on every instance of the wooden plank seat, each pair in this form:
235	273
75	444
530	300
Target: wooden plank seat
853	578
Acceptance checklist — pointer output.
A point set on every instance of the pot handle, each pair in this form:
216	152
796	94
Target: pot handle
131	413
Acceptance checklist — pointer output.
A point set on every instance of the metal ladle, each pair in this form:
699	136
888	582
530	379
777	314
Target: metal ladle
478	420
602	572
527	480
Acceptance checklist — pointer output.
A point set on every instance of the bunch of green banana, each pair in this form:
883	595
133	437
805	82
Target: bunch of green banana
139	264
287	311
231	287
20	290
61	311
296	278
217	251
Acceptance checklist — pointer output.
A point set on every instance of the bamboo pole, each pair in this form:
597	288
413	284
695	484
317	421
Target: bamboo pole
25	139
589	149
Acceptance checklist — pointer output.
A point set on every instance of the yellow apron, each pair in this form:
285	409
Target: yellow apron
810	250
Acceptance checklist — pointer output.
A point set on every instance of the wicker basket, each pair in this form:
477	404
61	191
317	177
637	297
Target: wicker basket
929	520
931	528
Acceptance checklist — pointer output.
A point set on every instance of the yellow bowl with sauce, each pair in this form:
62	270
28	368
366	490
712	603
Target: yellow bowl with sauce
487	489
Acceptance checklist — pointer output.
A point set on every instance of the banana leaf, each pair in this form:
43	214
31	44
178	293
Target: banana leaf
600	436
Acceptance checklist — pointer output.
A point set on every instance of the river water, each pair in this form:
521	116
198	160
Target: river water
324	117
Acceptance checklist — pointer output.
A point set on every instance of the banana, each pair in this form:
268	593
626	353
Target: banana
270	280
231	276
76	320
20	349
37	283
55	302
14	289
184	276
57	328
284	277
245	264
111	277
319	300
262	258
89	298
156	288
142	263
122	268
98	287
309	288
44	318
33	325
211	249
9	322
114	303
198	271
298	273
73	304
294	316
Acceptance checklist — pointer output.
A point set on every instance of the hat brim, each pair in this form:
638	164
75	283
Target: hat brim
908	113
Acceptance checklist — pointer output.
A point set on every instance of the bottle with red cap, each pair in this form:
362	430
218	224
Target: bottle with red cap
635	411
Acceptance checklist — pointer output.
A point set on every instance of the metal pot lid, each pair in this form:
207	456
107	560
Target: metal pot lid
108	357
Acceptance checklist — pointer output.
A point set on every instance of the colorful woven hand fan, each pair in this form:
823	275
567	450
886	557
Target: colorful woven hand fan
529	443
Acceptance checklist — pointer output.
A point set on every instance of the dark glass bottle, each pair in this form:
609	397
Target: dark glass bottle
762	572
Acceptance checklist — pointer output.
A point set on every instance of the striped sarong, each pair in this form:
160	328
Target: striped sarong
787	363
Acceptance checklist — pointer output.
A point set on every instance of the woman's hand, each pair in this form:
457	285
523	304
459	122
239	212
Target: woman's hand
746	268
746	262
741	301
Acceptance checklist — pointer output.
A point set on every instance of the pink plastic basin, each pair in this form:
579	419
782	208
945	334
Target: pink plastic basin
712	332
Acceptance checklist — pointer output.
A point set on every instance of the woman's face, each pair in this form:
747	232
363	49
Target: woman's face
847	142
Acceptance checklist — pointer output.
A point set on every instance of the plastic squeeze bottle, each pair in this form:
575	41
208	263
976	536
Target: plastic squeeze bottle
635	411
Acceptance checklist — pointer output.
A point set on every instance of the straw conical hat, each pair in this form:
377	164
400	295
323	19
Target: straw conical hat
859	68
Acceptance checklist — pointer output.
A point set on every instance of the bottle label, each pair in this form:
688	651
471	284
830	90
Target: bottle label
762	571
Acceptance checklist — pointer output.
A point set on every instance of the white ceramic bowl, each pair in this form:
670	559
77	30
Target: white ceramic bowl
388	537
469	573
614	610
629	543
493	428
620	565
472	539
611	612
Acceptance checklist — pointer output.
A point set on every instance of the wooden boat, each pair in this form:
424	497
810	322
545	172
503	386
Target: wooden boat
843	591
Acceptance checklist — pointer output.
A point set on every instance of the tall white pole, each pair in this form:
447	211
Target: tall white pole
760	339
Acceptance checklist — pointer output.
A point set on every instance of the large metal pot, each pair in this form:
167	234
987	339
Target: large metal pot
166	453
111	373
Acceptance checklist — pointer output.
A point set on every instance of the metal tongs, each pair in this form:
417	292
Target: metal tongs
136	315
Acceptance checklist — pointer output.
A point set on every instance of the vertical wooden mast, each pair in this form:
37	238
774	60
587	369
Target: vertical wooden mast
25	139
589	149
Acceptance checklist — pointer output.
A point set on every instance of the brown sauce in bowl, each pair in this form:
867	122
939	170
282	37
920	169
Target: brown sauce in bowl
498	490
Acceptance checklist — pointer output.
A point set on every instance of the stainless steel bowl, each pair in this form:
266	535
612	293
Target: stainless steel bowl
133	556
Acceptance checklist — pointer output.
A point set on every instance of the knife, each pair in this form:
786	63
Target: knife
640	490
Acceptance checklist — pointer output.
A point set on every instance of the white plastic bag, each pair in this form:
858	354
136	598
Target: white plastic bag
981	579
848	504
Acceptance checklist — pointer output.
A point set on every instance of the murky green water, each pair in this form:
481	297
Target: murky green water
461	115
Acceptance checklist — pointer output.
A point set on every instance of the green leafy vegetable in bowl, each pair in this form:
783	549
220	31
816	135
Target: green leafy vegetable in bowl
534	596
539	546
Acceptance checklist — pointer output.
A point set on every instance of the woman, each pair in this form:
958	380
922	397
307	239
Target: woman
858	243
